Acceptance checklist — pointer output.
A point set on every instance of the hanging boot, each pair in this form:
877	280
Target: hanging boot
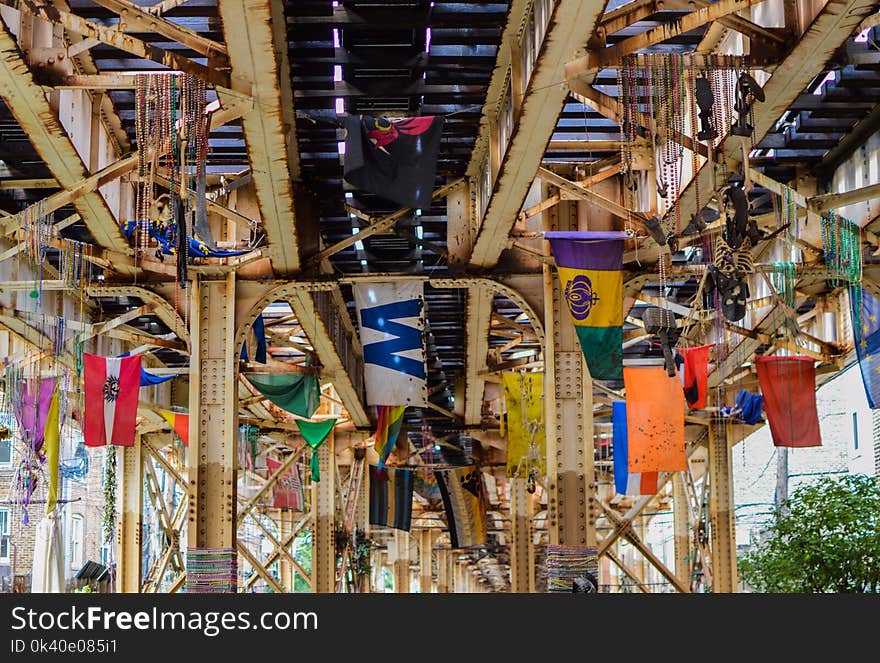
737	225
705	101
653	226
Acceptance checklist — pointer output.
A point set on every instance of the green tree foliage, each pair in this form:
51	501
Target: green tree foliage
826	538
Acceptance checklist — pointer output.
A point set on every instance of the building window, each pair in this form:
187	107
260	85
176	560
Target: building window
856	431
105	554
4	534
6	451
76	541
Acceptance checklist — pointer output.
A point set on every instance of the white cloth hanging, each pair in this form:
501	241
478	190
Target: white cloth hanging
47	575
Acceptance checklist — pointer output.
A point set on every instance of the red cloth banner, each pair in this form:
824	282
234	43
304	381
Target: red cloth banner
789	388
112	385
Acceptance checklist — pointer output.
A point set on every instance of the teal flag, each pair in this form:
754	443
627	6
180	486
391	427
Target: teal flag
294	392
314	433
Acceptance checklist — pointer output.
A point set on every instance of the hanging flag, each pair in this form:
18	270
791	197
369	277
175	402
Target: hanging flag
695	375
32	410
590	266
654	420
387	430
52	444
865	309
391	495
179	424
151	379
297	393
625	483
314	433
526	435
287	493
393	158
111	397
465	503
259	331
392	328
789	388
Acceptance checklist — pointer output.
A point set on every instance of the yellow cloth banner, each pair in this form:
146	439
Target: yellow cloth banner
594	296
524	399
51	444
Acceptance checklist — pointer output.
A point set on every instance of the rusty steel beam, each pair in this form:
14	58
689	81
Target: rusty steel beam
133	18
536	107
120	40
28	103
254	32
611	55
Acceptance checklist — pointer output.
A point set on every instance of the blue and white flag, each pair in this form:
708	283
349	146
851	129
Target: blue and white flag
392	322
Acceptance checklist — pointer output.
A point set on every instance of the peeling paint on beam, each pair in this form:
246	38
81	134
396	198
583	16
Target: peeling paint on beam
28	104
254	35
571	25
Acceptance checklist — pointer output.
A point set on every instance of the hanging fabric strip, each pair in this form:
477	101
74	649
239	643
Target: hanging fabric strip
626	483
464	499
179	423
52	443
789	388
392	330
391	495
297	393
655	420
387	430
526	435
32	411
590	267
865	310
314	433
695	375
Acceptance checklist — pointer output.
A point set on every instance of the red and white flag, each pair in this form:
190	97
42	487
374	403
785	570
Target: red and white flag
112	385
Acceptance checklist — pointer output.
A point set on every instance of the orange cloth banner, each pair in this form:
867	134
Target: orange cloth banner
655	420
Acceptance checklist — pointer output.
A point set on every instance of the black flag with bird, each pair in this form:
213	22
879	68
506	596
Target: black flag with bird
393	158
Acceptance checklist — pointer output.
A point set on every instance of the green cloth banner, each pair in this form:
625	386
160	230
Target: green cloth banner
294	392
314	433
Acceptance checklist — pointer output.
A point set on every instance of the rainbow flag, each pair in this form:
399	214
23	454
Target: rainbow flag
590	266
179	424
387	430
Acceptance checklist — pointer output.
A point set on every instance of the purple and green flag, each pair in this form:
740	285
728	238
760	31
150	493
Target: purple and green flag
590	266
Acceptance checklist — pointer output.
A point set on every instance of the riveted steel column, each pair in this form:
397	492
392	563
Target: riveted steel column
442	571
721	512
128	531
285	527
213	399
520	518
682	529
571	503
426	542
323	511
401	563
